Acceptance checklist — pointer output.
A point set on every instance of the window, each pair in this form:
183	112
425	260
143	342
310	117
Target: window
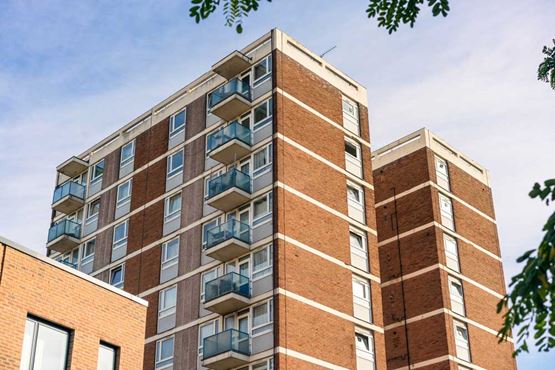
206	277
446	207
462	341
265	365
357	241
45	346
350	115
177	122
359	255
207	181
92	210
352	149
262	262
124	193
120	235
262	318
262	70
172	207
262	160
87	255
117	275
354	194
106	357
442	173
205	331
164	353
353	158
262	209
97	171
175	163
70	258
457	296
168	300
355	200
361	290
170	253
365	351
451	252
127	153
207	226
262	114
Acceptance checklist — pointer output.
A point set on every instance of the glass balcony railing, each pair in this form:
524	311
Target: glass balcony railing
231	179
230	229
64	227
232	131
69	188
234	86
229	283
230	340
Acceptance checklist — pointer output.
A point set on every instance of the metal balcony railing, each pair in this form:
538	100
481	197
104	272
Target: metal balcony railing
69	188
230	340
229	283
64	227
231	179
230	132
230	229
234	86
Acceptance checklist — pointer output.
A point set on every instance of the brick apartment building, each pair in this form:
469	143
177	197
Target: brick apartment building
53	317
242	209
440	261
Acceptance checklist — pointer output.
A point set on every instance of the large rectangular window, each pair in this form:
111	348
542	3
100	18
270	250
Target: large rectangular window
353	157
164	353
170	253
451	252
262	71
167	301
97	171
262	318
123	195
205	331
206	277
117	276
120	235
355	200
262	114
262	161
359	252
442	173
365	351
107	357
45	346
127	153
462	340
350	115
175	164
262	262
262	209
87	254
172	207
457	296
93	210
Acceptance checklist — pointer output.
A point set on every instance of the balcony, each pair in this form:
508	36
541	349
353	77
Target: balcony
64	236
232	65
230	100
229	190
68	197
229	143
73	167
228	240
227	293
226	350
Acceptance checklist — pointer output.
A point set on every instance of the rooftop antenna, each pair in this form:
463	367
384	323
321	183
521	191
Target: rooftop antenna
327	51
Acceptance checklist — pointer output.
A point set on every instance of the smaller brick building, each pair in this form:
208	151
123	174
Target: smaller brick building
54	317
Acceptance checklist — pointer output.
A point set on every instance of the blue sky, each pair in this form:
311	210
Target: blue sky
73	72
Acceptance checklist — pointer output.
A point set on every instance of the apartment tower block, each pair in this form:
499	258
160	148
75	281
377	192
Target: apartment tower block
242	209
441	268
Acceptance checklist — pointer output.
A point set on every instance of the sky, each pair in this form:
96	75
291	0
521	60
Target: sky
73	72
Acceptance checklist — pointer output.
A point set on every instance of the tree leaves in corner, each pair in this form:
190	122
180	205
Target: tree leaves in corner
530	304
392	13
546	69
234	11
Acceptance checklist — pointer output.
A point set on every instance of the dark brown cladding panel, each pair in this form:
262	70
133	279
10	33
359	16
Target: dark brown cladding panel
142	272
192	200
153	223
152	314
103	249
196	117
156	180
188	292
111	168
363	122
107	207
190	250
135	235
194	155
159	134
186	341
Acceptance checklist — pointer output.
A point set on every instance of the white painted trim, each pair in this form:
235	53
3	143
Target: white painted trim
327	257
406	233
351	177
321	116
329	310
334	212
402	194
307	358
438	360
411	275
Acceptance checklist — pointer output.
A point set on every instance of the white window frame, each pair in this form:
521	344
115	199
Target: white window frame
215	271
173	130
268	61
205	228
269	312
214	324
93	217
94	176
87	258
363	250
358	155
169	262
351	114
442	176
267	268
30	345
120	243
125	161
207	180
163	309
175	214
164	363
451	259
127	199
172	172
257	172
362	351
121	284
447	218
360	202
262	218
461	342
365	288
456	297
257	125
114	353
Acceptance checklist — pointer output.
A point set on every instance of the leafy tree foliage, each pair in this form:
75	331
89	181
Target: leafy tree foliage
391	13
530	304
546	69
234	10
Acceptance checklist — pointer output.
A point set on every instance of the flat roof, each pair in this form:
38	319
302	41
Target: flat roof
70	270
